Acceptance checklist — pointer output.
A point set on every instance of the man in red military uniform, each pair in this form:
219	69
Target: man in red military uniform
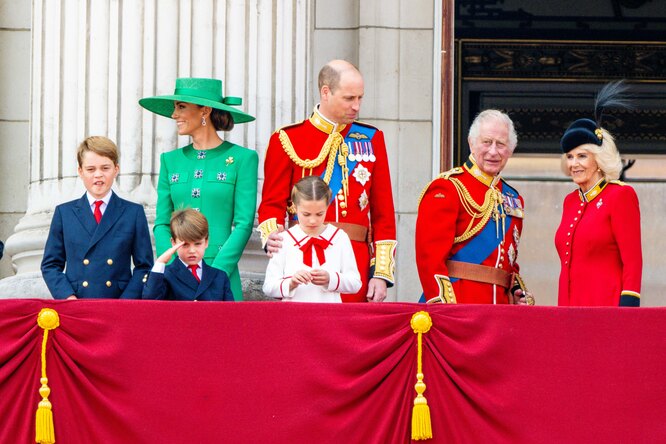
351	157
469	224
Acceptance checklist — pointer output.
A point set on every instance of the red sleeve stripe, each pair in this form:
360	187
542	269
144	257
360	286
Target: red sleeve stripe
338	276
282	283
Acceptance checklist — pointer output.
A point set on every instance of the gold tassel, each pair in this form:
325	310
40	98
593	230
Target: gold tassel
421	426
44	433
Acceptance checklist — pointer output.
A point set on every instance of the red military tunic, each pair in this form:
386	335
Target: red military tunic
599	244
446	231
366	202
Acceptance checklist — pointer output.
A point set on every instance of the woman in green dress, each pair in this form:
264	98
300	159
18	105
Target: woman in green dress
211	175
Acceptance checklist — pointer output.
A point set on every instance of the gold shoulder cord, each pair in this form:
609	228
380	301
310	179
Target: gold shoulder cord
489	208
329	149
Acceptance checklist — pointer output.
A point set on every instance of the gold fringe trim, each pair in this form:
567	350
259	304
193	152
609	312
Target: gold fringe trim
47	319
421	425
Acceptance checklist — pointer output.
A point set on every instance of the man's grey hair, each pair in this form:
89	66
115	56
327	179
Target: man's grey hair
493	114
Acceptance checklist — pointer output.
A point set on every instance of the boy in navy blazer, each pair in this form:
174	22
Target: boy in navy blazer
188	277
96	238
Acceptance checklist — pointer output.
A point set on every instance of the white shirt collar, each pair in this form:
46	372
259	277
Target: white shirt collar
105	199
187	266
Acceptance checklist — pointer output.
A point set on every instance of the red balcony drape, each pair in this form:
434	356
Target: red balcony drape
267	372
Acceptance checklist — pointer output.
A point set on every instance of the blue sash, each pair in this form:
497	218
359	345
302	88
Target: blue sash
356	132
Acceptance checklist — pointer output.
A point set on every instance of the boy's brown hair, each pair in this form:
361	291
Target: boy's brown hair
189	225
100	145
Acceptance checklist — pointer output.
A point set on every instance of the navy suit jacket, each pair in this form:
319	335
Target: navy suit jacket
178	284
97	259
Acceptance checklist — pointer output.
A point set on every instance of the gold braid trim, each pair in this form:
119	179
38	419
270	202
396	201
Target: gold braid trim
329	149
266	228
489	208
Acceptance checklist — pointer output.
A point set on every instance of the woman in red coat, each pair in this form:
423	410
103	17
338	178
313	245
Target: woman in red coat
599	238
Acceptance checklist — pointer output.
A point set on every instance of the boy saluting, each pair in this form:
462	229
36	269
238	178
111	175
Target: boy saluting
96	238
188	277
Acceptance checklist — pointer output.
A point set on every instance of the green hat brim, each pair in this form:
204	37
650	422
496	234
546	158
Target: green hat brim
163	105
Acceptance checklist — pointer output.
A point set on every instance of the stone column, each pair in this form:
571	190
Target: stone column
93	60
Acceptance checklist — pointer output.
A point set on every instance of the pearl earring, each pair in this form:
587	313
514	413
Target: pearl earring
203	121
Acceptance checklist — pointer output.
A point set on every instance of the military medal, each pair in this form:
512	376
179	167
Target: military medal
366	156
372	154
516	236
511	254
352	150
363	200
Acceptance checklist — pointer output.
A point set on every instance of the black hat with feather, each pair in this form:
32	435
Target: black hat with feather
583	131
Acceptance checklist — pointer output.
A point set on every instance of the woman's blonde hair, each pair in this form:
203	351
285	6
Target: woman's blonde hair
607	157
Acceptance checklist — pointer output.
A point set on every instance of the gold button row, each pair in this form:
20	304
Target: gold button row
85	283
87	261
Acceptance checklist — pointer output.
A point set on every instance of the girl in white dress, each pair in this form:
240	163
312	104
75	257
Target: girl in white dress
316	262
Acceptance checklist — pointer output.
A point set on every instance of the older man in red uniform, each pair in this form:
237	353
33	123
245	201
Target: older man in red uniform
469	224
351	157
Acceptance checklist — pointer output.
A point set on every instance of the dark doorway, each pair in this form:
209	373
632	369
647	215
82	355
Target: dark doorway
543	62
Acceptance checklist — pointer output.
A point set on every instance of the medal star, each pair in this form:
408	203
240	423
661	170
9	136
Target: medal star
363	200
516	236
361	174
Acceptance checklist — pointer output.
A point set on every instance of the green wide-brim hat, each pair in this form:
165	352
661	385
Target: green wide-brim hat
204	92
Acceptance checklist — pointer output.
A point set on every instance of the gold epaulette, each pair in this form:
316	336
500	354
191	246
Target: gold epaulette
365	124
444	175
618	182
291	125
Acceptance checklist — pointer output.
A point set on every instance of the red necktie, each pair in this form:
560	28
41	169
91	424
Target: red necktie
194	271
98	213
319	246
